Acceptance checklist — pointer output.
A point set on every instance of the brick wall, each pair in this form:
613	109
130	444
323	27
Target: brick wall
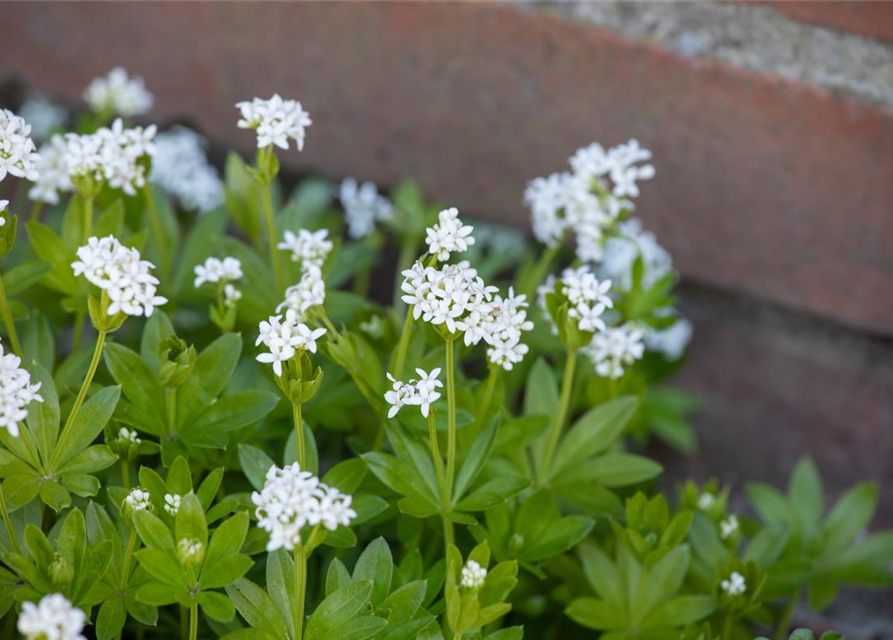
774	190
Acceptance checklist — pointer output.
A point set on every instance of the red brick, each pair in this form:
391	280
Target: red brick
776	189
870	19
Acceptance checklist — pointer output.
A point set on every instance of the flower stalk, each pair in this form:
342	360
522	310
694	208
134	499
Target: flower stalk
567	385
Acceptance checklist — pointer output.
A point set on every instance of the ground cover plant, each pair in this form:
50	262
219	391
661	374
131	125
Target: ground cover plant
225	413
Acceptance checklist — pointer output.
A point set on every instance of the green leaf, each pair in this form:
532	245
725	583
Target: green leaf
337	609
90	460
216	606
602	575
257	608
227	539
23	275
850	515
403	603
88	424
225	571
769	503
594	432
227	414
158	328
805	493
50	248
139	385
594	614
162	566
376	564
43	417
347	475
664	580
213	369
281	585
153	532
541	392
613	470
38	344
255	464
190	521
681	611
475	460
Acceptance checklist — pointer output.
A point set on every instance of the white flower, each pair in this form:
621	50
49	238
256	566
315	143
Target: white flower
138	500
119	271
735	585
291	500
216	270
506	322
118	94
547	199
448	235
54	618
307	247
44	116
276	121
473	575
363	207
16	392
172	503
614	348
284	338
587	295
18	155
308	293
231	295
180	167
421	393
620	253
728	527
706	501
130	435
672	341
53	169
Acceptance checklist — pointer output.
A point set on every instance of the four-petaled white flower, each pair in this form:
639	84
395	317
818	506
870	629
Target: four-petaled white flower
734	585
276	120
118	94
614	348
53	618
217	270
119	271
308	293
284	338
16	392
180	166
473	575
363	207
292	500
18	154
307	247
449	235
420	393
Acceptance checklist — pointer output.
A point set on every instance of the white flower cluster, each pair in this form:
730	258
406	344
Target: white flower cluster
507	320
589	200
734	585
180	167
614	348
672	341
421	393
54	618
18	155
276	121
706	501
216	270
44	116
284	338
449	235
138	500
728	527
231	295
473	575
129	435
172	503
308	293
363	207
587	297
307	247
292	500
119	271
16	392
622	250
114	155
118	94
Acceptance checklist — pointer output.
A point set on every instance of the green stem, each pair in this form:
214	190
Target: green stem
172	410
271	237
567	384
79	319
451	414
193	622
88	217
361	280
79	400
403	347
184	623
300	447
8	321
727	627
36	209
784	623
8	522
300	590
488	397
157	228
128	558
125	473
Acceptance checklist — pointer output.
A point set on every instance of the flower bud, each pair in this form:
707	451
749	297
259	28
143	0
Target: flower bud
177	361
191	552
61	571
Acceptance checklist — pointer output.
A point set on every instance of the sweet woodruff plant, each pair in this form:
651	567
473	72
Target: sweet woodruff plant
225	414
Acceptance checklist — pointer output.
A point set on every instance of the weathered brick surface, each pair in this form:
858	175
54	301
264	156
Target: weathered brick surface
764	186
870	19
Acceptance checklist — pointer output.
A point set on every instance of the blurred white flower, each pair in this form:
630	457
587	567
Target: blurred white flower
18	154
307	247
276	120
44	116
473	575
363	207
180	167
615	348
54	618
118	94
735	585
216	270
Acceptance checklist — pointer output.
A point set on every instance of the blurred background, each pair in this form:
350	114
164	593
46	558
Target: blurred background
770	123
